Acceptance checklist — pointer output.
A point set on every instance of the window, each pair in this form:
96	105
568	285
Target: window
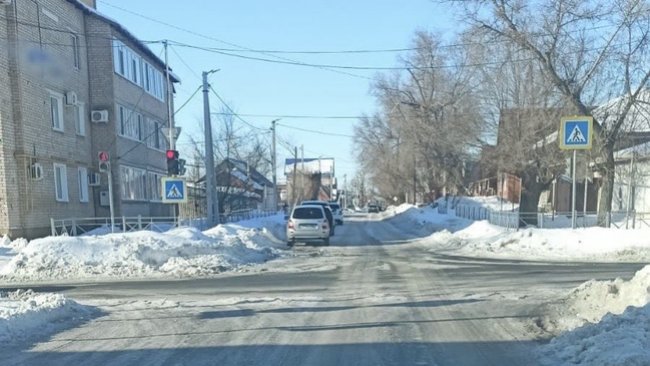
155	135
127	62
75	51
130	65
308	213
83	184
153	81
134	183
80	119
56	111
61	182
155	186
130	123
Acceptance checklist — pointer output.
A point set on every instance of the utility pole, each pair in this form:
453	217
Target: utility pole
295	166
275	169
212	198
302	170
345	195
331	182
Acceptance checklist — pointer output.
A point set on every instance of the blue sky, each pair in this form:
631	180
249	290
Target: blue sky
263	88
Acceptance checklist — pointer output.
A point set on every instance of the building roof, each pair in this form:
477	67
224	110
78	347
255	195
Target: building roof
125	32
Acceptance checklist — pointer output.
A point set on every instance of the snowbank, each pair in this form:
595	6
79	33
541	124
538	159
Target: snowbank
481	239
25	313
180	252
617	318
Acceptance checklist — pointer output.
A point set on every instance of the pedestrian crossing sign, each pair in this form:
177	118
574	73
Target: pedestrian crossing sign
174	190
576	133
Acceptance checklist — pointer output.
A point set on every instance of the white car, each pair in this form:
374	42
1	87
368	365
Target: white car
308	223
337	212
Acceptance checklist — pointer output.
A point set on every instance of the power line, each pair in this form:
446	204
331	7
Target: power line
186	65
66	31
294	116
315	131
188	99
233	112
219	40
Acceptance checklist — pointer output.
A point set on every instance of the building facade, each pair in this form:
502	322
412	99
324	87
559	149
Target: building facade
74	83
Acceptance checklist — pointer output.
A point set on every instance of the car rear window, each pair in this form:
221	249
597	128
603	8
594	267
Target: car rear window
335	206
307	213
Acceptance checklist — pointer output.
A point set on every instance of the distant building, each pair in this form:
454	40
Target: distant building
314	178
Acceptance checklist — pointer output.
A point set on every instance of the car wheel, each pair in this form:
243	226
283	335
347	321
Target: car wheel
326	242
291	243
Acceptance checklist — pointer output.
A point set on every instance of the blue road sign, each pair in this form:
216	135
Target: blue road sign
576	133
174	190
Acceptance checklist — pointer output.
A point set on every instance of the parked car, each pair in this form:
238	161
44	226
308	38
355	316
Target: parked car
373	208
308	223
337	211
328	212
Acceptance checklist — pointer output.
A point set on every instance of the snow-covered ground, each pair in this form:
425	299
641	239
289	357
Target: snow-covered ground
600	323
460	236
180	252
24	313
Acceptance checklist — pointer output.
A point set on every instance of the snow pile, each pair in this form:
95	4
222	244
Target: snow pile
23	313
179	252
15	245
620	334
482	239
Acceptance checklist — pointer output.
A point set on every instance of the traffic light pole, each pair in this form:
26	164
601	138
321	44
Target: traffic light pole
212	197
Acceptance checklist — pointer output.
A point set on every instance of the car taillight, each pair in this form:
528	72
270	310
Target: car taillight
290	224
326	225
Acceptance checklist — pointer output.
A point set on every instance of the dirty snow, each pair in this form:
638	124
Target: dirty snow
24	314
180	252
604	323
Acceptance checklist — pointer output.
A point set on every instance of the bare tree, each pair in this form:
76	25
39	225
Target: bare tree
591	51
427	125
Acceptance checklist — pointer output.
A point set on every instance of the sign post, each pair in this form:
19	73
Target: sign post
575	134
105	167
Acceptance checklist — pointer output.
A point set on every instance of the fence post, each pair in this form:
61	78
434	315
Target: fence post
74	227
139	222
123	224
52	226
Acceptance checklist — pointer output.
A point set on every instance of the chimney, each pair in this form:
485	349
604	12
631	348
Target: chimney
90	3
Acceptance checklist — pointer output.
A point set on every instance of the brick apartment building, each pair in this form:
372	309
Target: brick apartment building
72	83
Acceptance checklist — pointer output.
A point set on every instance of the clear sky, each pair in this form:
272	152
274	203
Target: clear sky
264	88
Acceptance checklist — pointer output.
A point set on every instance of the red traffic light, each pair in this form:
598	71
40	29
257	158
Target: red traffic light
172	154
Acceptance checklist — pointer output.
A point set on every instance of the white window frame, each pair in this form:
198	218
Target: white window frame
76	54
82	179
61	171
133	182
130	123
154	134
59	115
80	119
155	186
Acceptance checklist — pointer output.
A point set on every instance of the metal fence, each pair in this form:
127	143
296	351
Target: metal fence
551	220
124	224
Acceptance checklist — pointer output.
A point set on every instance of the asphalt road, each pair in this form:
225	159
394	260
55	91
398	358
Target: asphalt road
374	297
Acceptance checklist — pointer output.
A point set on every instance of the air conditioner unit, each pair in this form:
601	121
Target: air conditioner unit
99	116
36	171
94	179
71	98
